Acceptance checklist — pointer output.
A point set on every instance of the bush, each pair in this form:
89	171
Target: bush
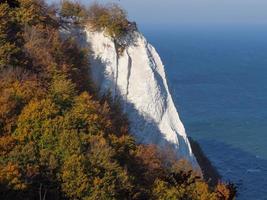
111	19
72	10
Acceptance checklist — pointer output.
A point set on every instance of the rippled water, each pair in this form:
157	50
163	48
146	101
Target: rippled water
218	79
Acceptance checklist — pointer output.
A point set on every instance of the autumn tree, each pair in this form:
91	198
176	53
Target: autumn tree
17	87
11	42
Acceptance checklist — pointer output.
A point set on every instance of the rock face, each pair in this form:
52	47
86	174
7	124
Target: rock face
136	76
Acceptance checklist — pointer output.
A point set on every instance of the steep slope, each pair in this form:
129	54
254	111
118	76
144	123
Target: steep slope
136	75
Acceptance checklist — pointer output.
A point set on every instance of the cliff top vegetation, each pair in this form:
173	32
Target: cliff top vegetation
110	18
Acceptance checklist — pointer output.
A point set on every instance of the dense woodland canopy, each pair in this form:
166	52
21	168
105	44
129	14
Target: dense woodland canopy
58	138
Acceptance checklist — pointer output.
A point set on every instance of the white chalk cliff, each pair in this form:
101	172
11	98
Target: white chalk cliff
137	77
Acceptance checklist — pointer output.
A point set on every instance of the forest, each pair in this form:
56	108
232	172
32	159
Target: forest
59	139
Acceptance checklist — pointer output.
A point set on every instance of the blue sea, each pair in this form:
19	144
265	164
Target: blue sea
218	79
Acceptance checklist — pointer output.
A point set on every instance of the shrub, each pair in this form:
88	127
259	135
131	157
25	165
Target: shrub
111	19
73	10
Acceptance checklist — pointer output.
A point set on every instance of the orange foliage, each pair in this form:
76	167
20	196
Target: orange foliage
226	191
10	174
7	143
17	88
148	158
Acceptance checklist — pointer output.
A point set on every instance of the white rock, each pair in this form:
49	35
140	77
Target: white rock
138	78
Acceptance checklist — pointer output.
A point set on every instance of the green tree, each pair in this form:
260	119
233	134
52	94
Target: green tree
62	91
34	12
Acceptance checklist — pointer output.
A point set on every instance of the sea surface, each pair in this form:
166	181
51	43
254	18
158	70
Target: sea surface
218	79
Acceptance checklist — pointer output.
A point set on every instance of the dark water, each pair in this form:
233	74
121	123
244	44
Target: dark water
218	79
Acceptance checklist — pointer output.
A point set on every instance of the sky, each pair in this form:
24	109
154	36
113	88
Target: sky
194	12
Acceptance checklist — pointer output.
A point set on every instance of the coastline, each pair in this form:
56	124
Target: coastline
210	173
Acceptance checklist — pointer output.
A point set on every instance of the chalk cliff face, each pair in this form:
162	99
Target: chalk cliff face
136	76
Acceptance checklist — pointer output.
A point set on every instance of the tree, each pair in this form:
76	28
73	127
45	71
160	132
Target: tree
33	12
17	87
153	166
74	177
11	42
62	91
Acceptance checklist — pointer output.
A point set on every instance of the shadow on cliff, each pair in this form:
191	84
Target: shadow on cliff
210	173
248	171
145	129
